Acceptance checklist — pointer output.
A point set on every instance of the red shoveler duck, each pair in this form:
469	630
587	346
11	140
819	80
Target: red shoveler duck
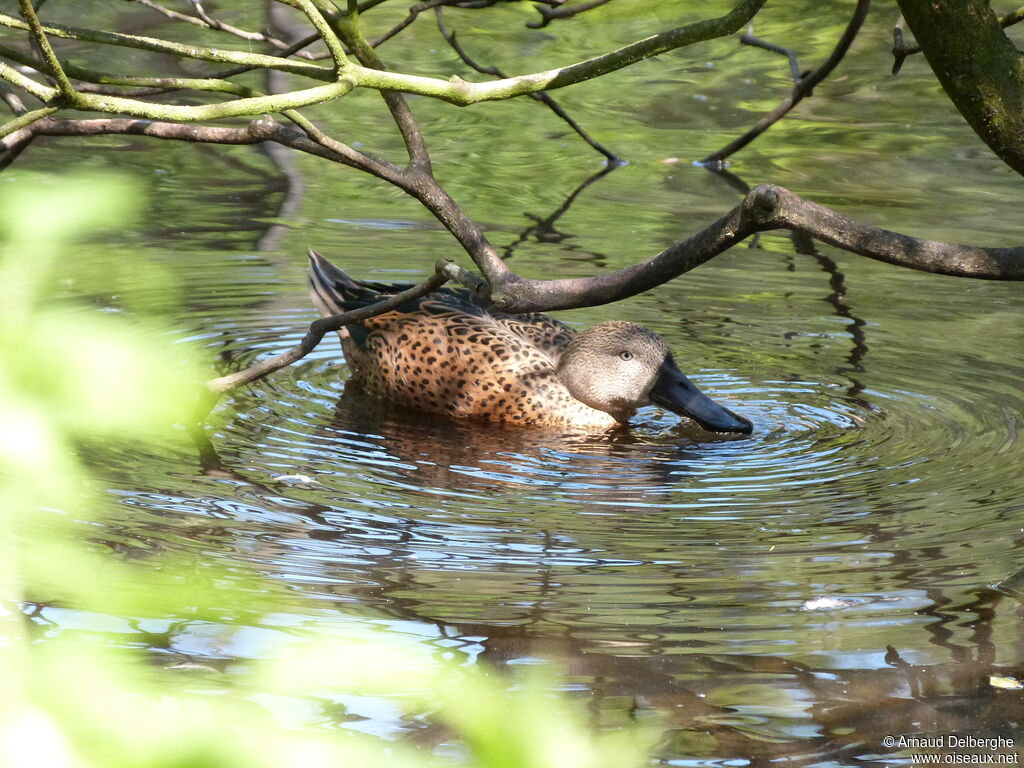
446	354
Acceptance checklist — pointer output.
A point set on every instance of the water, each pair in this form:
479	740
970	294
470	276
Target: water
796	594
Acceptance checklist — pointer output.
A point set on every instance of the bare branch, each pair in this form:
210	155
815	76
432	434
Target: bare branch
444	270
260	130
204	20
414	12
13	145
455	90
396	103
804	85
243	107
13	101
563	12
154	85
382	169
766	207
749	38
325	31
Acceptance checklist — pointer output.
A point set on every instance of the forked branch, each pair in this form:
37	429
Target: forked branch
803	84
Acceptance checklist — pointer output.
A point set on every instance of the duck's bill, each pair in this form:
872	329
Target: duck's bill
673	391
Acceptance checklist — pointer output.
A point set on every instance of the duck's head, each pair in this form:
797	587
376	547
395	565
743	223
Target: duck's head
617	367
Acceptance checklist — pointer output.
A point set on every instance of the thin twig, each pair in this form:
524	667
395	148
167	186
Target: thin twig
204	20
414	12
323	28
351	31
804	87
749	38
154	84
563	12
453	90
156	45
543	98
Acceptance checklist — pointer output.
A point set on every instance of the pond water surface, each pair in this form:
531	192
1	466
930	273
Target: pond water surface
798	594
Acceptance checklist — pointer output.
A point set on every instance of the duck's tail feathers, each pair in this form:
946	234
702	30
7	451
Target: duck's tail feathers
330	289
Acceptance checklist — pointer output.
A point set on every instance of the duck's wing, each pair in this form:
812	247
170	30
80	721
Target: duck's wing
548	335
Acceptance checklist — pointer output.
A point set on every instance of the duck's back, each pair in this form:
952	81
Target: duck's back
446	354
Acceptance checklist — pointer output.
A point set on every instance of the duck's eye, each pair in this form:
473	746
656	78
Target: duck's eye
626	355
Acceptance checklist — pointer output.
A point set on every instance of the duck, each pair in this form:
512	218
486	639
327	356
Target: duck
448	353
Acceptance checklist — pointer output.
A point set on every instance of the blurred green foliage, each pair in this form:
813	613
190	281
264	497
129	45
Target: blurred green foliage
74	379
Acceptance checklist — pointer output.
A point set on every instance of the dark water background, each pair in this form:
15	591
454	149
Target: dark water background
798	594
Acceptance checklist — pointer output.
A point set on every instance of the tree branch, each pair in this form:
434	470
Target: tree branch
414	12
205	20
324	30
42	92
416	147
63	84
803	86
260	130
455	90
158	84
242	107
26	119
563	12
749	38
12	100
766	207
219	55
542	97
462	93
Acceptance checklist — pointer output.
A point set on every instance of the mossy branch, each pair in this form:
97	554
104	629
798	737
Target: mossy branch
25	120
155	45
63	83
455	90
320	24
255	105
42	92
463	93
